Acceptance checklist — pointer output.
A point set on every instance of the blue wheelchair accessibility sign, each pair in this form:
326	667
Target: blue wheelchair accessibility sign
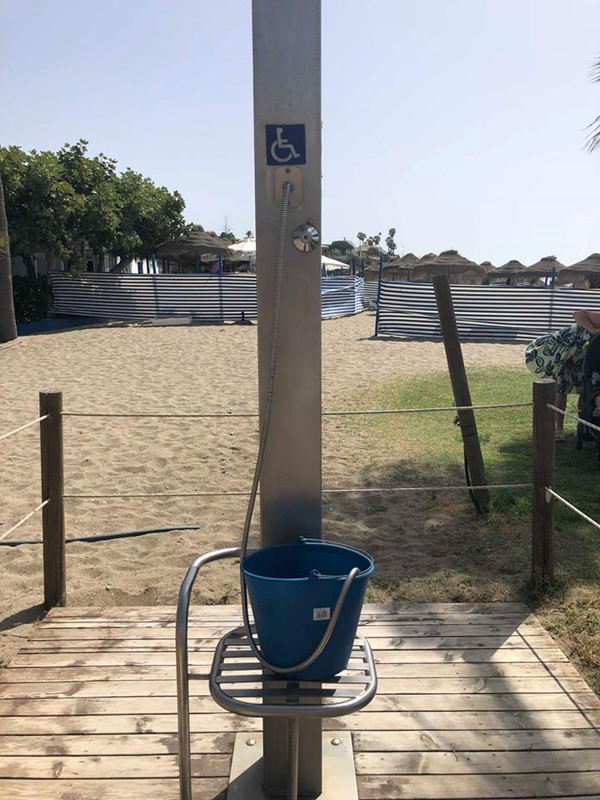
286	144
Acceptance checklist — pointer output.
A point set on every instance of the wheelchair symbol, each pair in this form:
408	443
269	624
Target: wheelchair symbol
282	150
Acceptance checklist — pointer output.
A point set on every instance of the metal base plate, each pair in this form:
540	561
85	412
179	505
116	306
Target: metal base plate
339	778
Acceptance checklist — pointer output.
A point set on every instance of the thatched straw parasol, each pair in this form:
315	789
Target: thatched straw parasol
409	260
542	269
586	270
400	268
197	243
489	268
512	267
507	273
457	268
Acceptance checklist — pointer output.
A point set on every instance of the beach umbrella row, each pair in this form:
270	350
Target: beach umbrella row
200	244
451	264
550	267
460	269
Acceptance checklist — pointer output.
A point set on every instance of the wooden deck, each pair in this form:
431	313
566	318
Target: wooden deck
474	701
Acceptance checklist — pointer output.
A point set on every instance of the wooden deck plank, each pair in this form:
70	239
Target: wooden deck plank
69	767
387	686
377	721
474	701
501	655
118	766
231	620
468	762
111	789
470	787
12	675
414	630
387	642
141	706
364	742
153	612
110	745
215	789
480	740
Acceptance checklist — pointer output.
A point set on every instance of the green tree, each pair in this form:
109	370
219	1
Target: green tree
248	234
8	324
40	204
593	140
149	215
390	241
67	202
229	236
361	237
96	217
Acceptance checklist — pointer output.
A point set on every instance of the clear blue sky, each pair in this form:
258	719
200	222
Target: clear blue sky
459	122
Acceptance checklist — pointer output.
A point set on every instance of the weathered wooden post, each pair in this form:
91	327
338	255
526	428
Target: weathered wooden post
542	511
460	388
53	521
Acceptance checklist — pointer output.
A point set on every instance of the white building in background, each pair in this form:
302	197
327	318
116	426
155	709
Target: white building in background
93	263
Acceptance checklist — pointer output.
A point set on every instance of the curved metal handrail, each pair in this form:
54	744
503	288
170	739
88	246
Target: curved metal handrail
181	652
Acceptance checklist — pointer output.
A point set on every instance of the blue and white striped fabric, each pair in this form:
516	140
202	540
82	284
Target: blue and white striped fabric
204	298
371	289
483	313
342	296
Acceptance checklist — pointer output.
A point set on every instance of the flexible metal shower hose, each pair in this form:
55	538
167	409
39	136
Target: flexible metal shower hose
287	190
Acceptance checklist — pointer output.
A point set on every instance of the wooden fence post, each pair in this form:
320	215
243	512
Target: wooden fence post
542	511
460	388
53	522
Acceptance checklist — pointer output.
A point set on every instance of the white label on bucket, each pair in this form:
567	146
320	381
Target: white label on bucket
321	613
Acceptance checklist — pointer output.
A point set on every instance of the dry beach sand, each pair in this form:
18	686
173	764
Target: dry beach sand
179	369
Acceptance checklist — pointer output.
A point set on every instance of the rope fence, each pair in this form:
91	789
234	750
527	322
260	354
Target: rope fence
24	519
544	474
351	490
23	427
574	416
54	495
143	415
4	436
254	414
551	493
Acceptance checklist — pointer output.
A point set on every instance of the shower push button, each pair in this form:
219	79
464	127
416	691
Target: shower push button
306	237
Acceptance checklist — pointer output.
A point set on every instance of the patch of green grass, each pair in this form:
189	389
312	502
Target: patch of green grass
426	449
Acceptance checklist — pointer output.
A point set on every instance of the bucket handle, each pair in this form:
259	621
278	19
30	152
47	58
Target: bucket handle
326	636
315	573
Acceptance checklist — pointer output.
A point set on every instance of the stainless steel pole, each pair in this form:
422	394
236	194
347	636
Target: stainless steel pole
293	757
287	139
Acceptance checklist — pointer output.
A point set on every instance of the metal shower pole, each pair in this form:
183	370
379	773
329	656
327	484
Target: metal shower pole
287	146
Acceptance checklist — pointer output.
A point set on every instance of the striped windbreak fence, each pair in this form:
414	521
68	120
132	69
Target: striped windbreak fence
371	289
483	313
342	296
203	298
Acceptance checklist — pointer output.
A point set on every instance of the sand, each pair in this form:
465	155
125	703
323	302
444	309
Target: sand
189	369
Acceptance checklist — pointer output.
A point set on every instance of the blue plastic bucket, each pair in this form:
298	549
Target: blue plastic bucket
293	589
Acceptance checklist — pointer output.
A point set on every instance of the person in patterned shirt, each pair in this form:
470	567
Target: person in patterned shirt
560	356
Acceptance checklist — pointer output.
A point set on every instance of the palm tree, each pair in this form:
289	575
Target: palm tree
8	324
593	140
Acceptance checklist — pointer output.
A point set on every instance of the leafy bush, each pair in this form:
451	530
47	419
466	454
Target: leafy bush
31	297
